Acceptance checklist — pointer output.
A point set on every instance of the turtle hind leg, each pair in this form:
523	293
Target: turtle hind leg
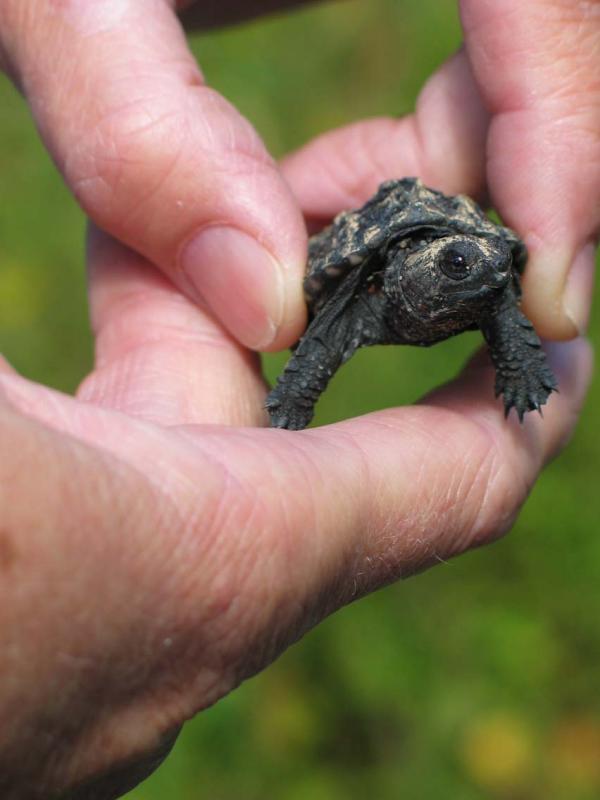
523	376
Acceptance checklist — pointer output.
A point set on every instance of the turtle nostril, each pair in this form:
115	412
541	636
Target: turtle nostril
500	271
502	265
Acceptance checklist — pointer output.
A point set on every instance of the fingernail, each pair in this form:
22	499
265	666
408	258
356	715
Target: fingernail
240	281
577	295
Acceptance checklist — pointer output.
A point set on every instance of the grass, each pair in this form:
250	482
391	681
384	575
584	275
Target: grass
477	679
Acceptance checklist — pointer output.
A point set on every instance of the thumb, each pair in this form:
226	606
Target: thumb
536	65
160	160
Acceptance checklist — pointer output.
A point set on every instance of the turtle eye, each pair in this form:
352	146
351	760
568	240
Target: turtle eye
455	263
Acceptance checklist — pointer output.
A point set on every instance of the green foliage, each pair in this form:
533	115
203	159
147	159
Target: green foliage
477	679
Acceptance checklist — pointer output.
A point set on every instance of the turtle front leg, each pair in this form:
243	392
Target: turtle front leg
291	403
523	376
344	324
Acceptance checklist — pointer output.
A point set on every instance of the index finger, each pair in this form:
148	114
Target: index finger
160	160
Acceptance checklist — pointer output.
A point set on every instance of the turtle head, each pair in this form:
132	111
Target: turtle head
446	284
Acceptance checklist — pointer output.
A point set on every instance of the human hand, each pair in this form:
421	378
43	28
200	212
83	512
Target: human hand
160	160
154	553
151	562
513	118
155	156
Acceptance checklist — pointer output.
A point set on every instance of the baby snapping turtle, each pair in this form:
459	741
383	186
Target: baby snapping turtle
412	266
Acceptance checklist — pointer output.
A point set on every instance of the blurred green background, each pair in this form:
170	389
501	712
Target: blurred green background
476	680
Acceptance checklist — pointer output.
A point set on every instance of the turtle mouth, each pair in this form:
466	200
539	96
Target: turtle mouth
499	276
472	295
498	285
460	303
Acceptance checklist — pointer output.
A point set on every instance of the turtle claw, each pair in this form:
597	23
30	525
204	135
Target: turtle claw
286	414
278	420
528	389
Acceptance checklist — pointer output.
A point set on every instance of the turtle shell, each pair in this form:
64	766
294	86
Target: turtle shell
401	209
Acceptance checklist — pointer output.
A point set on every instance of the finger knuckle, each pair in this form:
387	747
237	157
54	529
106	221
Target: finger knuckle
149	153
128	156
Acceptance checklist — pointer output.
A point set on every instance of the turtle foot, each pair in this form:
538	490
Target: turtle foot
528	388
287	411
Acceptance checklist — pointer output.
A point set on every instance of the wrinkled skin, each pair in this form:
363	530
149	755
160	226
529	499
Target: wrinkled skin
512	116
397	272
157	546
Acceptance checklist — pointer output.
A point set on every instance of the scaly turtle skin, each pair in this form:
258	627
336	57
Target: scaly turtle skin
412	266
